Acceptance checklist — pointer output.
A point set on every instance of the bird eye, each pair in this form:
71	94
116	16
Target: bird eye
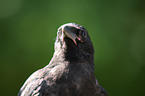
84	34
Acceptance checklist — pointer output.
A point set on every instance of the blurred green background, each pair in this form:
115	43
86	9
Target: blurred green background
116	27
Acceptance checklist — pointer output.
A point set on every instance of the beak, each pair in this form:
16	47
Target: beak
67	31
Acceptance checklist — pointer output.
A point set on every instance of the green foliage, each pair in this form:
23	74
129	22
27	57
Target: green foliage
117	29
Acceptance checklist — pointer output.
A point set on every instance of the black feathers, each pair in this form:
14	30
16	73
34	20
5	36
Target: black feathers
71	69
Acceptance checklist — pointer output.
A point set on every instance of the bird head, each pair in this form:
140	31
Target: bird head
75	38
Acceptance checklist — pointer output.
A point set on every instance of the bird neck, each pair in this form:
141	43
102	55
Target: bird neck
72	53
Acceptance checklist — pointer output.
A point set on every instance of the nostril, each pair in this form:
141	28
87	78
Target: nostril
72	29
66	28
69	28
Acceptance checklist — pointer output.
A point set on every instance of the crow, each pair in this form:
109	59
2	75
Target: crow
71	69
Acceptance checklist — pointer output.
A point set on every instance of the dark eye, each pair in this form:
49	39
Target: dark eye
84	34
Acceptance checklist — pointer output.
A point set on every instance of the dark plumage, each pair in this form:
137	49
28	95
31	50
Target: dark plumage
71	69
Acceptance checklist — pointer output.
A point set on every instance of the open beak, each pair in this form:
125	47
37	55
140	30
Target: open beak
67	31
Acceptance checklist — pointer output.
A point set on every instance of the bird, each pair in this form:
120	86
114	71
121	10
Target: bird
70	72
